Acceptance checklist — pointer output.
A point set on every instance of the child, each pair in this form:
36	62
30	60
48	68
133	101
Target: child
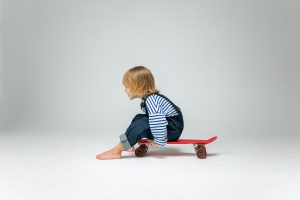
162	121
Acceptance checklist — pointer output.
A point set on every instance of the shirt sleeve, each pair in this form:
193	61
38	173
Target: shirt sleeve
157	121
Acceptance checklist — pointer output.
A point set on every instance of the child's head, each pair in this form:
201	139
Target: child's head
139	82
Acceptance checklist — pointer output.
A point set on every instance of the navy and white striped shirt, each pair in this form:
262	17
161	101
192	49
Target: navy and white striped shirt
158	109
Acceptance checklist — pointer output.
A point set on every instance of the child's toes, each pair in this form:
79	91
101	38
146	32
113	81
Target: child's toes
98	156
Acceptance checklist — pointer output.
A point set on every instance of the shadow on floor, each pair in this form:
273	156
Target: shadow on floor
168	152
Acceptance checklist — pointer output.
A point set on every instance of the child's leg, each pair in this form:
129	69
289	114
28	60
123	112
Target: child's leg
139	128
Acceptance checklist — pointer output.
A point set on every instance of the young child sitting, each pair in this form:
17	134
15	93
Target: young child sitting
162	121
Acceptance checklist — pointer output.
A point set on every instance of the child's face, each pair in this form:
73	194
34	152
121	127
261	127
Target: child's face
132	95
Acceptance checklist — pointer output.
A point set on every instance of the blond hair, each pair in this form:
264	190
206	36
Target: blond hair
140	80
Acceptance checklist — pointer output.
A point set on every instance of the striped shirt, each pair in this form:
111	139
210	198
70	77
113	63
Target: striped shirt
158	109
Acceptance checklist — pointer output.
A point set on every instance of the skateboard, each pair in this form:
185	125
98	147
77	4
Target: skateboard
199	146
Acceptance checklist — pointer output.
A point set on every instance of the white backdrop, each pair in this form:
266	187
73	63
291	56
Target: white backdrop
1	68
230	65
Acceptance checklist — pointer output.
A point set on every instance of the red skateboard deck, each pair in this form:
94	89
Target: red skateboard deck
184	141
199	146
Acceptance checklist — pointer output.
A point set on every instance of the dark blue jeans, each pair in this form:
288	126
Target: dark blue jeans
139	128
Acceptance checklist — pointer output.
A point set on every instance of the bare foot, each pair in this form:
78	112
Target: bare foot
132	150
110	154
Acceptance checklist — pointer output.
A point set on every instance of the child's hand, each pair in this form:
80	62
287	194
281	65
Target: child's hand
152	144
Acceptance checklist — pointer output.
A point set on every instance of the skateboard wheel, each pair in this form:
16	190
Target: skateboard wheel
140	152
144	147
201	153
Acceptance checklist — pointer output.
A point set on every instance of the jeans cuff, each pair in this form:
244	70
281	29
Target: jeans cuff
124	142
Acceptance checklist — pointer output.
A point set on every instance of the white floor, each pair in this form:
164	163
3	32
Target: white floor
62	165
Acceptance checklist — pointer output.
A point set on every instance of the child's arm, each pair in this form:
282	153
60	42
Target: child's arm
157	121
